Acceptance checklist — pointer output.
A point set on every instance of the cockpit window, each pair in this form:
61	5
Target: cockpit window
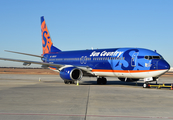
153	57
161	57
156	57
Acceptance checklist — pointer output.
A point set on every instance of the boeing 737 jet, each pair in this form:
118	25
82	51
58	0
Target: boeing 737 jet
128	64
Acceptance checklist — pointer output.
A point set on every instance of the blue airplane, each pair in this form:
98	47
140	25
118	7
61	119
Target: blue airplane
128	64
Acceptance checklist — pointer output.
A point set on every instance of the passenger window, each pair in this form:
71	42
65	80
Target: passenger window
146	57
152	57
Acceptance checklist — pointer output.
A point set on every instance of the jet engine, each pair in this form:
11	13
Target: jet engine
71	73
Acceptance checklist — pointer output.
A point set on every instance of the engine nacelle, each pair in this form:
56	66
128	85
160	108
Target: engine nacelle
128	79
71	73
26	64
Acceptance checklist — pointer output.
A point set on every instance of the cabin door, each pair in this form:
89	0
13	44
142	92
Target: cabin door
134	59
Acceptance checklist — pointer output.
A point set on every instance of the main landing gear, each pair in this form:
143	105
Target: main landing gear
68	81
101	80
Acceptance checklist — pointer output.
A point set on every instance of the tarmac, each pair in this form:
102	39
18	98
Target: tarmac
24	97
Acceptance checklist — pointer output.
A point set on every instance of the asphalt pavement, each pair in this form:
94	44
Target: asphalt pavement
43	97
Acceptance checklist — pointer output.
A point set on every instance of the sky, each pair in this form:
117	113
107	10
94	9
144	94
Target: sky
85	24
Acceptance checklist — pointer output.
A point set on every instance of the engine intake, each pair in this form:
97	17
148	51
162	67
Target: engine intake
71	73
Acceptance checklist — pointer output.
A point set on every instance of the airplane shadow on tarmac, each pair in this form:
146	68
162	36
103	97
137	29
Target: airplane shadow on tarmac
95	83
130	84
111	83
116	82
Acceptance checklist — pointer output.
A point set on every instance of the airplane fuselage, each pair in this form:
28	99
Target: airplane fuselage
118	62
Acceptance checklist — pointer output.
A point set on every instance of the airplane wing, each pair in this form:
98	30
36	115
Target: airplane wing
86	70
28	62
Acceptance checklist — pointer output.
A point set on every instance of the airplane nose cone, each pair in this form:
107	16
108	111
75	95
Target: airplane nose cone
162	64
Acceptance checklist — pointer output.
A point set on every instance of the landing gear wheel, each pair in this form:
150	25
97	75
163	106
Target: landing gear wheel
104	81
66	81
101	81
71	82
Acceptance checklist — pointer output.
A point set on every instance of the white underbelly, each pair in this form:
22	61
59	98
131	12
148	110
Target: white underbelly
129	74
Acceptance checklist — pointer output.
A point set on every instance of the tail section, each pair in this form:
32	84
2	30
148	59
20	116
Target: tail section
47	44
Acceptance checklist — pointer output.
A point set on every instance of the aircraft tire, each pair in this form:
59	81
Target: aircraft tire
66	81
104	81
71	82
99	81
